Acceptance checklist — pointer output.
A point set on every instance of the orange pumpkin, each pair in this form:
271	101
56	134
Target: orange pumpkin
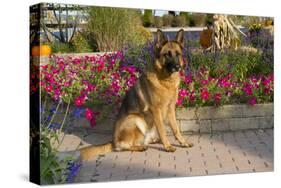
42	50
206	38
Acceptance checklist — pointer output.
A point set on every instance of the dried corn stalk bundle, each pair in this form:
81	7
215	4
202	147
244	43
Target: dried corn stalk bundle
225	34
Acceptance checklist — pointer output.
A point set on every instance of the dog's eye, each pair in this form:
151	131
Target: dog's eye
178	53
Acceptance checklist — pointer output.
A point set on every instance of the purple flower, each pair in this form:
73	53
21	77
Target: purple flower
77	112
73	171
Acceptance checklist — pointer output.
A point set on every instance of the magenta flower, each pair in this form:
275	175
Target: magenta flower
48	76
247	89
183	93
77	61
204	82
266	82
252	101
228	93
191	96
217	97
188	79
49	88
266	90
179	101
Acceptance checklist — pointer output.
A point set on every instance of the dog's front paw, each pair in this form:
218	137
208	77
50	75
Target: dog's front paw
186	144
170	148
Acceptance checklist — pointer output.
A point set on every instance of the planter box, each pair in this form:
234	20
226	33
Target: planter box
225	118
207	119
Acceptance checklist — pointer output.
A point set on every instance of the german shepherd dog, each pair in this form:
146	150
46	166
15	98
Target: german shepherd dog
149	104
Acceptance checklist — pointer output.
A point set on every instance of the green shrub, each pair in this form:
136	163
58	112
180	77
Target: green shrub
147	18
80	43
186	15
142	36
59	47
112	28
198	19
157	21
209	19
179	21
167	20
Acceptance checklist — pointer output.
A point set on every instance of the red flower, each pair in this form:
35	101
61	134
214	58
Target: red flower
191	96
205	94
89	114
79	101
217	97
93	122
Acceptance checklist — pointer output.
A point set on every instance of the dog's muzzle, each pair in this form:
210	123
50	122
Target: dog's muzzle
172	67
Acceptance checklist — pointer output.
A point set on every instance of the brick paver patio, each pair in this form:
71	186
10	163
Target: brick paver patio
219	153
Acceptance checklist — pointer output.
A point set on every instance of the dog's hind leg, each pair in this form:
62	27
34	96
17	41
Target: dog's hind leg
131	134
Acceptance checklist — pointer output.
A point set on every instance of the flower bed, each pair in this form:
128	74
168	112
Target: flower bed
95	85
88	82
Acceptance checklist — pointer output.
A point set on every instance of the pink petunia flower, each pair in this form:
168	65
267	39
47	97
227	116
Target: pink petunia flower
252	101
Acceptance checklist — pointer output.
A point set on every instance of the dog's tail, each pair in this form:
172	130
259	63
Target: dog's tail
92	151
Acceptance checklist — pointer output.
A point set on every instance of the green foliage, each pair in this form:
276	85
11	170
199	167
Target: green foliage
167	20
80	43
157	21
59	47
209	19
147	18
52	170
112	28
186	16
251	20
141	36
240	63
199	19
179	21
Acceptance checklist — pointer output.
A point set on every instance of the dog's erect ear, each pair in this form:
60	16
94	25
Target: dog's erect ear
160	38
160	41
180	37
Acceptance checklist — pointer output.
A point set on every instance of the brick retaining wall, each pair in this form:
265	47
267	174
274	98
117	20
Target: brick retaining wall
227	117
209	119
